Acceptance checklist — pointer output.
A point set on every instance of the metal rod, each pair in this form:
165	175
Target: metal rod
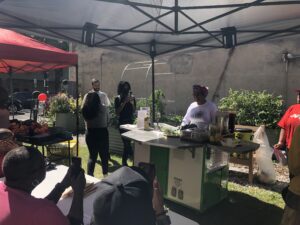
77	112
133	28
137	49
11	91
152	18
207	31
176	9
239	5
223	14
137	4
153	90
268	35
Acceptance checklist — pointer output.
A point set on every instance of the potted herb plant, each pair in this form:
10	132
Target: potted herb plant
62	110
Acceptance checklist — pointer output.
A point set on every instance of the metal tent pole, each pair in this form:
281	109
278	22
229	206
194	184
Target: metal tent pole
77	112
11	91
153	54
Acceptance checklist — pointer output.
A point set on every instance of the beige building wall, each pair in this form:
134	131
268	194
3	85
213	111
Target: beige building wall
253	67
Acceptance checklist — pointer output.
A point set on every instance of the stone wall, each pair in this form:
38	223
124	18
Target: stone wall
254	67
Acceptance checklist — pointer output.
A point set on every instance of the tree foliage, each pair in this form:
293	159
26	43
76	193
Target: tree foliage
253	108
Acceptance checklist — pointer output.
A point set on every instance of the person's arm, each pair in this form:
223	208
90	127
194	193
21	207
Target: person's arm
76	211
121	105
281	141
59	188
158	205
133	102
186	119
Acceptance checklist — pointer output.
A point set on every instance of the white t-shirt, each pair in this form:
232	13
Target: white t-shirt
200	114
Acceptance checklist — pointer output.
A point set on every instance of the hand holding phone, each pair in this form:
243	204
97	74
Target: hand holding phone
149	169
76	166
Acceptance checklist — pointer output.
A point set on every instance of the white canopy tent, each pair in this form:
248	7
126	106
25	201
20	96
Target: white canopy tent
154	27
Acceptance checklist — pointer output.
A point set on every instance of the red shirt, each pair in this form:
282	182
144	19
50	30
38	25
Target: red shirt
18	207
289	122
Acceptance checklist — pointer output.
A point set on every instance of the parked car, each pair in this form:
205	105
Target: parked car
21	100
25	98
15	106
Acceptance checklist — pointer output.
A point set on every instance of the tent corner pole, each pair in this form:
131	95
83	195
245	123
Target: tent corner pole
153	90
77	112
11	90
152	55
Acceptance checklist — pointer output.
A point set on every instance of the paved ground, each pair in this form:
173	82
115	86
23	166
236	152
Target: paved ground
21	115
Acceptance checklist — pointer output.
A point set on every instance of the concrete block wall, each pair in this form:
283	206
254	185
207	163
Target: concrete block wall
253	67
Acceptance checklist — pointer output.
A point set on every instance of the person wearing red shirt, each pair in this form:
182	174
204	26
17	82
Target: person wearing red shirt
24	169
288	124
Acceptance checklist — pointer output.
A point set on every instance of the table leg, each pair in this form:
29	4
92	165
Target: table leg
69	152
251	167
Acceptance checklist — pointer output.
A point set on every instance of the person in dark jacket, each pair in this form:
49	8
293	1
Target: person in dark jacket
125	106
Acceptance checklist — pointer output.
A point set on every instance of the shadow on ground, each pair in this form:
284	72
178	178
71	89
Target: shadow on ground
237	209
242	178
113	165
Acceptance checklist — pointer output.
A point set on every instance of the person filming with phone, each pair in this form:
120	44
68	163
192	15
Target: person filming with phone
24	168
125	106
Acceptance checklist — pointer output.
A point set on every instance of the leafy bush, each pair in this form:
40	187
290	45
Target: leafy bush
159	102
61	103
253	108
172	119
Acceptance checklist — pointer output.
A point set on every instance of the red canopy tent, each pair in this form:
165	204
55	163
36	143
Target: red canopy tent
20	54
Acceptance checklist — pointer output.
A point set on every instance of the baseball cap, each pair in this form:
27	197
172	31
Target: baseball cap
124	198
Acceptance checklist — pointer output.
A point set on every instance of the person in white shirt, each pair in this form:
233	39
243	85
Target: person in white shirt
96	115
201	112
103	96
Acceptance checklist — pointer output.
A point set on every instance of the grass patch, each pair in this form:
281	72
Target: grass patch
267	196
114	163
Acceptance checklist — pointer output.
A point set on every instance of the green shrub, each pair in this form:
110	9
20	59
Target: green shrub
159	102
253	108
172	119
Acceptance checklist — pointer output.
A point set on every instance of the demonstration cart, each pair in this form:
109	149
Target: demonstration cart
194	175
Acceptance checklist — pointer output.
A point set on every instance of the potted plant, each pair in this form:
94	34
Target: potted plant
62	110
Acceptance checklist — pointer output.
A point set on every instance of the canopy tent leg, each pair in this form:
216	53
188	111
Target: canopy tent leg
11	91
77	112
153	54
153	91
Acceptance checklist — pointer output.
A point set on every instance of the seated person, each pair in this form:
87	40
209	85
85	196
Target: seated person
6	144
125	198
24	169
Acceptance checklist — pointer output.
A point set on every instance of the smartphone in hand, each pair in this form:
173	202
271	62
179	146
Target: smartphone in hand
76	166
149	169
